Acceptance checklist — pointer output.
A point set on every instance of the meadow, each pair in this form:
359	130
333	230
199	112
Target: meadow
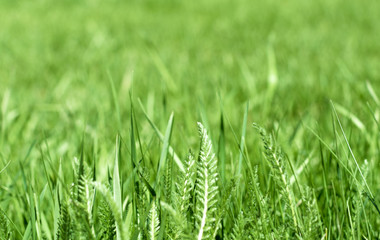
150	119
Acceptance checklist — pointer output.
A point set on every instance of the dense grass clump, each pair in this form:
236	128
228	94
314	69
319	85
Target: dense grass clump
99	104
198	205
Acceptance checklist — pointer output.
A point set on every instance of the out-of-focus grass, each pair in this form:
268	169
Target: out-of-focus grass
180	55
196	59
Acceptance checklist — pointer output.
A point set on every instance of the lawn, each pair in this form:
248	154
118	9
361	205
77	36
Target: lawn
175	119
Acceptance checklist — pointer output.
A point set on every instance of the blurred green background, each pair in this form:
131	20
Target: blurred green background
59	59
192	58
56	59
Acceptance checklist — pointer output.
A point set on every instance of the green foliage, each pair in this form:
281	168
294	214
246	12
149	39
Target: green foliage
238	231
311	219
106	221
275	157
5	231
81	201
75	74
65	228
198	206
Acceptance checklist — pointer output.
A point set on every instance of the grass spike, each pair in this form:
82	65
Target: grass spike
206	187
275	157
113	206
153	222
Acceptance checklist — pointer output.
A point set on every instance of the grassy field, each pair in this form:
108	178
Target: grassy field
149	119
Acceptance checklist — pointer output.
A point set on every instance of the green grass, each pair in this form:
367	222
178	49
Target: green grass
286	94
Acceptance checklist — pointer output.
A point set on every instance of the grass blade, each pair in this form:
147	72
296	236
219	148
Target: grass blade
161	137
242	141
165	147
117	195
351	152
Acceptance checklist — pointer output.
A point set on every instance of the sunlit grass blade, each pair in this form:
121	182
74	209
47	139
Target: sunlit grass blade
165	148
242	140
117	194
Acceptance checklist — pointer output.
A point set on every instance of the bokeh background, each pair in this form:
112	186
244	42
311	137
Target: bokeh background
72	68
192	58
189	57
